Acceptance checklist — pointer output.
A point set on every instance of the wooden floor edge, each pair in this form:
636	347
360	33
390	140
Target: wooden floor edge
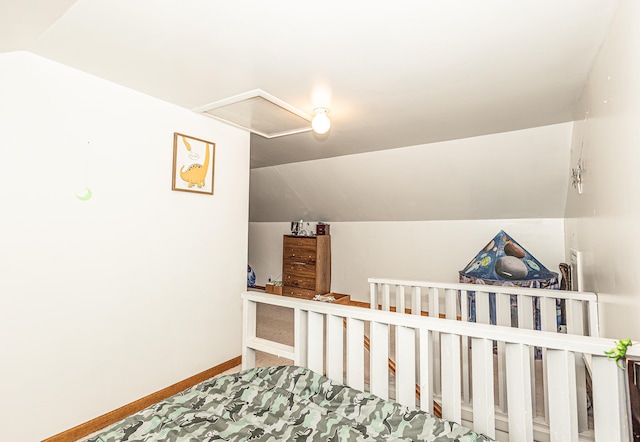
118	414
359	304
393	309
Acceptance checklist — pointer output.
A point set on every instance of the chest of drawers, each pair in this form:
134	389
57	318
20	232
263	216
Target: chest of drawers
306	265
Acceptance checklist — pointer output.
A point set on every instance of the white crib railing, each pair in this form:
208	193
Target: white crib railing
446	300
416	358
524	308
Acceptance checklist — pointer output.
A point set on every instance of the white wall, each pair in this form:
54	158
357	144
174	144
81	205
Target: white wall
604	222
105	301
424	250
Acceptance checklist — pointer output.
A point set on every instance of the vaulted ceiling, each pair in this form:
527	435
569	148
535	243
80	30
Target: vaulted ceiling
393	74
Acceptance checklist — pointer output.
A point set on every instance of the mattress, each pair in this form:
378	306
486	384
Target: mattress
284	403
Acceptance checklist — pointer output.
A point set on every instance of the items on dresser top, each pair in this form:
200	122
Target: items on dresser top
322	228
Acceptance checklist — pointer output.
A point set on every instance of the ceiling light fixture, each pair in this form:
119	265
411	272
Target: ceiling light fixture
321	122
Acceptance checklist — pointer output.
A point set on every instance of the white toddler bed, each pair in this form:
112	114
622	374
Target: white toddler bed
482	375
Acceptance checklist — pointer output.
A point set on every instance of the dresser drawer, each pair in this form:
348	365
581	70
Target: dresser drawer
299	269
300	242
297	254
298	292
299	282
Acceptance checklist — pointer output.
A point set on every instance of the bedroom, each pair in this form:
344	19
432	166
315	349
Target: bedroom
98	295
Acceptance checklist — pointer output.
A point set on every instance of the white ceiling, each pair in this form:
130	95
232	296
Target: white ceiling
434	78
392	74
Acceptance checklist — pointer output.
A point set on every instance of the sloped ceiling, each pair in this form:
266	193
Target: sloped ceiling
519	174
393	74
22	22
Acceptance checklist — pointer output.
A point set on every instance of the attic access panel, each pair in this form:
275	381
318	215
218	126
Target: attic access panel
259	113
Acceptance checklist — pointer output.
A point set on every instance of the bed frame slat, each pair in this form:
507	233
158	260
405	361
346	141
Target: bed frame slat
426	370
355	353
315	342
451	394
416	301
482	360
434	311
525	321
400	302
373	295
575	326
335	348
300	337
386	298
563	407
451	303
466	373
482	307
249	313
610	402
548	322
503	317
519	392
405	366
379	359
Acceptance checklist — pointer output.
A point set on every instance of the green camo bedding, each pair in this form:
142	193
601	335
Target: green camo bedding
280	404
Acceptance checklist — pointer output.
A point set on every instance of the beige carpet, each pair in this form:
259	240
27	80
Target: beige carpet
275	324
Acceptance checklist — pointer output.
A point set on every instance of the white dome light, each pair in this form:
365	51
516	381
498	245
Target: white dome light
320	122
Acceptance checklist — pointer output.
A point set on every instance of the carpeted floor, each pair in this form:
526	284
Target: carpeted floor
276	324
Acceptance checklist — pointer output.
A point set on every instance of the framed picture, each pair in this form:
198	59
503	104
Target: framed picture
193	161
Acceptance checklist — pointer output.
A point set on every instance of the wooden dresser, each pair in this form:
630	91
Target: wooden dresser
306	265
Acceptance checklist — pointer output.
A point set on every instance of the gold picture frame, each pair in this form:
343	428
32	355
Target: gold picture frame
193	164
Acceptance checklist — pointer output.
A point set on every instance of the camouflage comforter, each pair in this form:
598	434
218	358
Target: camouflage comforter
280	404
